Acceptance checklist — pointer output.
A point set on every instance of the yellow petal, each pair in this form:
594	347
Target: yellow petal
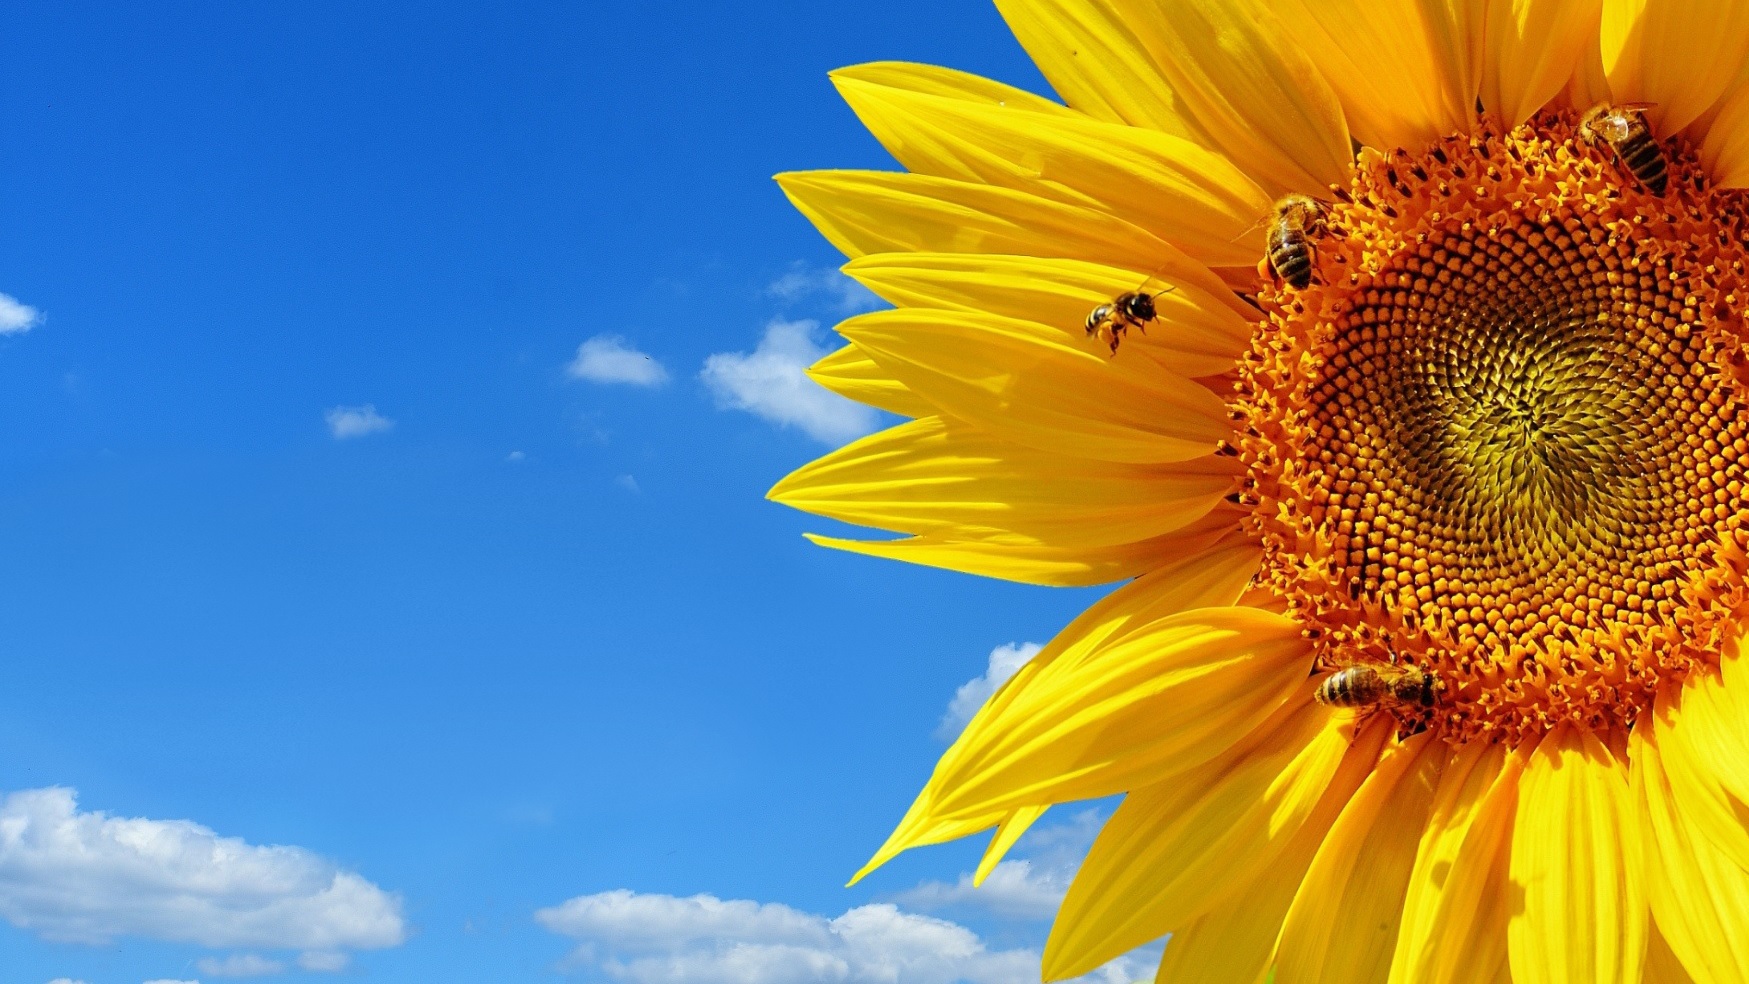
1454	914
1253	89
1343	923
1034	385
1234	941
1405	70
1699	897
864	212
849	372
932	475
1210	577
1173	850
1589	85
1679	55
1704	742
1007	832
1532	49
1190	197
1725	153
1030	563
1152	704
1576	861
1662	967
938	81
1091	56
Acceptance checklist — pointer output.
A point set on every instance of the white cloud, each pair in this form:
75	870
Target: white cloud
324	962
607	359
65	980
1005	661
348	422
838	292
88	877
166	980
772	383
17	318
1015	889
239	965
516	456
629	483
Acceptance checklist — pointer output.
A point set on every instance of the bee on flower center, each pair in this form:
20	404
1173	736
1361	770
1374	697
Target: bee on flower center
1296	219
1373	685
1109	321
1624	131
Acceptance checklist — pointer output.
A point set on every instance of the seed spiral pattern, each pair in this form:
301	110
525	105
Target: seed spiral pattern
1503	435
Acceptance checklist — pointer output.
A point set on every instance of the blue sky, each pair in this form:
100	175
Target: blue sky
387	590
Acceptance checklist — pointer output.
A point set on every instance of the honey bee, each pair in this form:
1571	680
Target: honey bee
1296	219
1110	320
1369	685
1623	129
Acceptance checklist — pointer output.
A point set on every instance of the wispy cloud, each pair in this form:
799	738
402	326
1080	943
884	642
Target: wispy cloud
65	980
772	383
239	965
1015	890
1005	661
16	317
608	359
78	876
349	422
803	283
166	980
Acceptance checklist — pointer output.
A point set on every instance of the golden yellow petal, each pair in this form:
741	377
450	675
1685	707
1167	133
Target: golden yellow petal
1589	85
1173	850
1344	920
1704	741
1234	941
1532	49
849	372
1254	90
1725	151
1662	967
935	475
1152	704
1576	864
1190	197
1031	563
1405	70
938	81
1089	53
1679	55
864	212
1209	577
1007	832
1036	386
1699	896
1454	913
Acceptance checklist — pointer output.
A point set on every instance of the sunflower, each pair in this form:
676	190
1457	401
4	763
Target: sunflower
1426	489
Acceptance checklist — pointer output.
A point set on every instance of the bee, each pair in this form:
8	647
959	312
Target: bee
1369	685
1623	129
1296	219
1110	320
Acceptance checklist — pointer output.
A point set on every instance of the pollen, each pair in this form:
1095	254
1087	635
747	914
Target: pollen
1502	435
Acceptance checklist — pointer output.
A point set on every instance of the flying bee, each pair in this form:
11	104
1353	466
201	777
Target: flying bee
1369	685
1624	130
1296	219
1110	320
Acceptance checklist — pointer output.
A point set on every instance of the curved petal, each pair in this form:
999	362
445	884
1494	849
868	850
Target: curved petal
1454	914
1532	49
933	475
1186	195
1155	703
1007	832
1662	966
937	81
1233	942
1034	385
1678	55
1202	328
1705	746
1091	56
850	373
1589	85
1211	577
1173	851
1405	70
1343	923
1725	152
864	212
1576	861
1699	897
1255	91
